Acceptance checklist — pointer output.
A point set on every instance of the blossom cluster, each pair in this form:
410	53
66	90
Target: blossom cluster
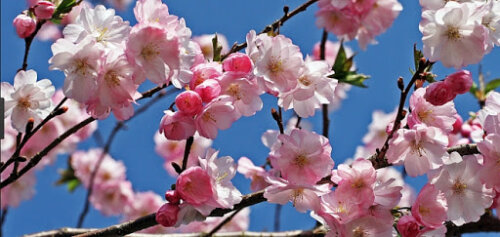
361	20
459	33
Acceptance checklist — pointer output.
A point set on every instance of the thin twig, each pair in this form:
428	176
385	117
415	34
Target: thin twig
36	159
324	107
273	26
2	219
277	117
187	149
220	225
27	43
119	125
422	66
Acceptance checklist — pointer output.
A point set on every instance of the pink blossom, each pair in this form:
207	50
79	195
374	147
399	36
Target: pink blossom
367	226
387	189
206	45
115	88
208	90
277	62
25	25
490	171
20	190
177	125
49	31
84	163
408	227
439	93
420	149
356	181
341	207
112	198
430	207
75	114
99	24
204	71
44	9
256	174
48	133
303	158
189	103
466	196
237	62
303	196
173	150
442	117
144	203
221	170
79	62
218	114
193	185
491	107
155	51
243	92
167	214
459	82
453	35
313	89
27	98
377	131
147	11
331	50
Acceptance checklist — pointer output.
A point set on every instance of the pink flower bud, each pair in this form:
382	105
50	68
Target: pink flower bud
439	93
194	186
457	126
167	214
202	72
208	90
172	197
24	25
177	126
237	62
466	130
408	226
44	9
189	103
460	82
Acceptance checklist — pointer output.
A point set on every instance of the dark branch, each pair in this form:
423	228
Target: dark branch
220	225
273	26
28	40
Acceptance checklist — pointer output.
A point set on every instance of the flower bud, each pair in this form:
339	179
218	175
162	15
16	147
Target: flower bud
189	102
172	197
460	82
177	126
457	126
237	62
208	90
44	9
24	25
439	93
408	226
167	214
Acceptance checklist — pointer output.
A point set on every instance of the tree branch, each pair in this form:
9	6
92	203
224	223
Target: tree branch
273	26
27	42
324	107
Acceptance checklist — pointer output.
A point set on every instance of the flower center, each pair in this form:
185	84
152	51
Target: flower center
207	116
424	115
234	90
459	187
358	232
149	52
111	78
304	81
358	184
296	194
24	103
417	148
102	34
81	66
453	33
300	160
275	66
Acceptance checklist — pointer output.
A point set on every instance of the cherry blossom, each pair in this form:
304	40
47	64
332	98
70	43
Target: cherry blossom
303	158
27	98
177	125
25	25
356	182
44	9
243	92
490	171
466	196
430	208
218	114
422	111
112	198
255	173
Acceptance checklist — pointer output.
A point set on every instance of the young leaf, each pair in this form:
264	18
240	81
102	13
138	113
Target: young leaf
73	184
217	48
417	55
492	85
340	60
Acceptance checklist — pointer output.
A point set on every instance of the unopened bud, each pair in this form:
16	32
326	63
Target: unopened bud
61	110
401	84
29	125
419	84
422	63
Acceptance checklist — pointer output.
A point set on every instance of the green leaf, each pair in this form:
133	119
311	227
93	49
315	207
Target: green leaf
73	184
495	83
217	49
473	89
417	55
64	7
340	60
354	79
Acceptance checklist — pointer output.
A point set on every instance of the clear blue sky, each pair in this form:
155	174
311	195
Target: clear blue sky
53	207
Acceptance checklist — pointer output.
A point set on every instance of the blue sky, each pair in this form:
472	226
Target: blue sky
53	207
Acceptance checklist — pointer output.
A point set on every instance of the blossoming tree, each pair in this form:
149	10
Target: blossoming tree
113	66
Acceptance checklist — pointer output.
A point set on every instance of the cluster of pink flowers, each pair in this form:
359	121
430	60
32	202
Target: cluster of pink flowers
26	22
199	190
361	20
459	33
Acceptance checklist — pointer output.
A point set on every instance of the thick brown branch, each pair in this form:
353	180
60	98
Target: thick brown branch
273	26
487	223
293	233
149	220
